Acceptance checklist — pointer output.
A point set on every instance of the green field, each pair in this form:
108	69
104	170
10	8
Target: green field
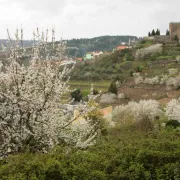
86	85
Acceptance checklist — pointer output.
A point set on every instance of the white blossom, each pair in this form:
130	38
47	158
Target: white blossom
108	98
141	53
164	79
152	81
31	98
172	71
145	109
173	110
138	78
121	96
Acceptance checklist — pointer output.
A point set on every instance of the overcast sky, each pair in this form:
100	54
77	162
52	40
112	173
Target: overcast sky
88	18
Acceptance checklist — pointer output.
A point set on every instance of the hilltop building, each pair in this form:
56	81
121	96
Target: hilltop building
174	29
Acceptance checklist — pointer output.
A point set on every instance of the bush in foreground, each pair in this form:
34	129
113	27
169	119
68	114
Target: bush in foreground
122	154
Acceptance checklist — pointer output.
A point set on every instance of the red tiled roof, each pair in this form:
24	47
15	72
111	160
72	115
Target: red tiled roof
121	47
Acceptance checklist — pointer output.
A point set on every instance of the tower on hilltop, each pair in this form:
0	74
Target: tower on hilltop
174	29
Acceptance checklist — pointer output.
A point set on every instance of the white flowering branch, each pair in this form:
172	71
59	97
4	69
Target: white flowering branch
31	98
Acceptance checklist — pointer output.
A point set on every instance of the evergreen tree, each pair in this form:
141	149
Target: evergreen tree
149	34
153	33
167	32
157	32
113	88
77	95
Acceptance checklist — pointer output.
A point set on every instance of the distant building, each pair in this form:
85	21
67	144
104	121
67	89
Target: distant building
123	43
97	53
119	48
88	56
174	29
92	55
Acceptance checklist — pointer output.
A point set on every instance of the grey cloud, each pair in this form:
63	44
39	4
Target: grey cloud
46	7
88	18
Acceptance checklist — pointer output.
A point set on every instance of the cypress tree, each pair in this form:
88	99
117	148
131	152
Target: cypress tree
149	34
113	88
157	32
153	33
167	32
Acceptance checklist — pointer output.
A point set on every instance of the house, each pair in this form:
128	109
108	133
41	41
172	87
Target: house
88	56
97	53
122	47
123	43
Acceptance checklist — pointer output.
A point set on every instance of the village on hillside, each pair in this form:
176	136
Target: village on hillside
112	105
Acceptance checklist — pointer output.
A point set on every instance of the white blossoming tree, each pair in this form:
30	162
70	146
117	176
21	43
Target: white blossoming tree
31	98
142	53
152	81
173	110
144	110
138	79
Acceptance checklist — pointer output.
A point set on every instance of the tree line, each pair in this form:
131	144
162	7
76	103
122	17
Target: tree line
154	33
157	33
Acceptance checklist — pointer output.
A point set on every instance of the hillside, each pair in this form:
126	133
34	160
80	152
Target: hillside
102	43
78	47
107	67
124	63
26	43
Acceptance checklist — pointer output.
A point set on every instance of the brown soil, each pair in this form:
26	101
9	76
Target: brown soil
146	91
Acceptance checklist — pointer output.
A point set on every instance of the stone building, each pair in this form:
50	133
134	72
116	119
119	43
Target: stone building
174	29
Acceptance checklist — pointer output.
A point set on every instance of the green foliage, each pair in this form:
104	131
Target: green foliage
131	73
85	94
111	64
95	92
144	43
103	43
119	78
173	123
122	153
164	57
158	32
153	33
167	32
113	88
77	95
139	69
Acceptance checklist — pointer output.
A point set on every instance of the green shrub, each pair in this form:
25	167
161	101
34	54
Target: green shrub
173	123
121	153
113	88
95	92
77	95
131	73
139	69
